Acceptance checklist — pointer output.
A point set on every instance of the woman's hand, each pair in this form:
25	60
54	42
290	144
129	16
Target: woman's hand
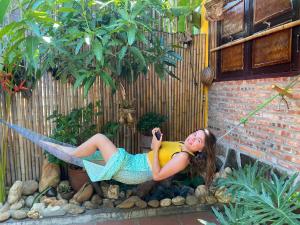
156	143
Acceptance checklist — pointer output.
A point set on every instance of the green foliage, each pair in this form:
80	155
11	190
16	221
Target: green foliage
64	188
260	199
110	129
4	5
86	39
77	126
73	128
149	121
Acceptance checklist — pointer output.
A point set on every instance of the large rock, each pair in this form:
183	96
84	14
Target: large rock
29	201
84	194
50	175
15	192
29	187
53	211
96	199
129	203
73	209
108	203
89	205
165	202
17	205
144	188
4	216
19	214
191	200
141	204
113	191
153	203
178	200
222	196
38	207
211	199
201	191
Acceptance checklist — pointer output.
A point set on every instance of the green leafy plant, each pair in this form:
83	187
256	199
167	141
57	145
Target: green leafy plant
110	129
63	188
149	121
260	197
75	127
88	39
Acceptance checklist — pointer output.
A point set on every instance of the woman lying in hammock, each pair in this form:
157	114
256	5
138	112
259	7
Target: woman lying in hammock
164	160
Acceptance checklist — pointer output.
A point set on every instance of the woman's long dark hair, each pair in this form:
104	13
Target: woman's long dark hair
204	163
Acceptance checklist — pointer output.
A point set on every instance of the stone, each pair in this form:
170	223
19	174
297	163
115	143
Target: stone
222	196
72	201
33	214
84	194
15	192
50	175
96	199
4	216
153	203
17	205
143	189
191	200
51	192
141	204
129	203
5	207
202	199
29	187
104	187
53	211
89	205
29	201
211	199
228	170
48	200
128	193
113	191
108	203
73	209
165	202
178	200
38	207
122	194
200	191
19	214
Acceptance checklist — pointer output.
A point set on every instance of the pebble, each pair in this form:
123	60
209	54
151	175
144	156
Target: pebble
4	216
19	214
153	203
165	202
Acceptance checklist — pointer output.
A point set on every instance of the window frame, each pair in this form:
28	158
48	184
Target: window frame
280	70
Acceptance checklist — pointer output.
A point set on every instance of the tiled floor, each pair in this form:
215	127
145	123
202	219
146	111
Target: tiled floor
180	219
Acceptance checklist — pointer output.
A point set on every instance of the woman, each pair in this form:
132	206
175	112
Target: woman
164	160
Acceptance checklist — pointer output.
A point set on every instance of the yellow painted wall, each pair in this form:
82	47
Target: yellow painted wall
204	30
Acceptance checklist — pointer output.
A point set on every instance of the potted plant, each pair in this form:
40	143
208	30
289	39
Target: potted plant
65	190
74	128
145	125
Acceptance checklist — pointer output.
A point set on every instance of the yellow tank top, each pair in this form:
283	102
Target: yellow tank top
166	151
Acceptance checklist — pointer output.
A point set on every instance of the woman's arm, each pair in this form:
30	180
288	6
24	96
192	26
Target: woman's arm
176	164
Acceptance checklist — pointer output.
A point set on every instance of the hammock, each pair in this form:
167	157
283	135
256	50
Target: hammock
50	145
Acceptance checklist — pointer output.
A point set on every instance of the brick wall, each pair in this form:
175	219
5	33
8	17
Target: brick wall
272	136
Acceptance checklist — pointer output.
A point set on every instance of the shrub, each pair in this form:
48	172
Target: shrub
149	121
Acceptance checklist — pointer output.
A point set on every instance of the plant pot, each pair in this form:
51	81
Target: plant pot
145	142
77	178
67	195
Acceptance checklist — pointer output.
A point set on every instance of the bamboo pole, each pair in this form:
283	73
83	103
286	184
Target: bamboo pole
259	34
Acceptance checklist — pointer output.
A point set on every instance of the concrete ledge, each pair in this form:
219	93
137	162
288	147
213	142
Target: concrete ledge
105	214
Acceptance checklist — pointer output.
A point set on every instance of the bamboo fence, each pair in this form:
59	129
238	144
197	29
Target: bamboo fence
181	101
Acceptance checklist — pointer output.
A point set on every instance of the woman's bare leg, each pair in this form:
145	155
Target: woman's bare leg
98	141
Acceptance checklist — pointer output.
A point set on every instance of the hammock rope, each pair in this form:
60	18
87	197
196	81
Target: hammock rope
50	145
